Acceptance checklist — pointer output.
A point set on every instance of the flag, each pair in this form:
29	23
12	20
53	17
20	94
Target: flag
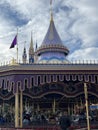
14	42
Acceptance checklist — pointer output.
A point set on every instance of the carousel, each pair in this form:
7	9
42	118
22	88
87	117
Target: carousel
46	85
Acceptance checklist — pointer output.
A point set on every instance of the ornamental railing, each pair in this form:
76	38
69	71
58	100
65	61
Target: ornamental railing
75	62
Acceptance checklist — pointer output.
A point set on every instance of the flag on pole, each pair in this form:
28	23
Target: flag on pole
14	42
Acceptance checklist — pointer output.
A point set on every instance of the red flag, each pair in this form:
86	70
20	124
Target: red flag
14	42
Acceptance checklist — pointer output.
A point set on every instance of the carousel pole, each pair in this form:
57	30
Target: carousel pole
81	102
3	107
21	108
25	106
54	104
74	108
68	109
16	109
87	112
28	105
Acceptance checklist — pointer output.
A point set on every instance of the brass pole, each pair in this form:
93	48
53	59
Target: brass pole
86	100
21	109
16	109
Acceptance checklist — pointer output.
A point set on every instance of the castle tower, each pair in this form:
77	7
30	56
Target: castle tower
24	56
31	51
52	49
35	55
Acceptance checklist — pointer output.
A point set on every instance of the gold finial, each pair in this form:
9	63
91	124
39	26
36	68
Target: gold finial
51	16
13	62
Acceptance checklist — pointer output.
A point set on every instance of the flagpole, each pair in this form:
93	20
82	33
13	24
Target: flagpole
17	45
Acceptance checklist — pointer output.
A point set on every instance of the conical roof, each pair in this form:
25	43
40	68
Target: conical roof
31	49
52	41
52	37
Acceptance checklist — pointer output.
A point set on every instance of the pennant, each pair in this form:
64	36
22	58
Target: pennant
14	42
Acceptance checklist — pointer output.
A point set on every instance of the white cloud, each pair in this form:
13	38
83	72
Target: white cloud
85	54
75	20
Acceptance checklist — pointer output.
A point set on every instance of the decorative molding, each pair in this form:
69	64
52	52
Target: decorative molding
41	79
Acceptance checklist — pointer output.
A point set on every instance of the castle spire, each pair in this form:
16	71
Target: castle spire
52	49
35	56
51	16
24	56
31	51
31	44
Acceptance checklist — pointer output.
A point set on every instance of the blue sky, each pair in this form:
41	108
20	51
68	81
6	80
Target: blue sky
76	22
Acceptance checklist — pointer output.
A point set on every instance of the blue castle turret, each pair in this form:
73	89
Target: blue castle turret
52	49
24	56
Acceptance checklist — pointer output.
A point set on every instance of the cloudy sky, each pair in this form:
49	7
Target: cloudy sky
76	22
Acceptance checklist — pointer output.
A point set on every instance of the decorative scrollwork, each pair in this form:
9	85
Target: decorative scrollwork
71	88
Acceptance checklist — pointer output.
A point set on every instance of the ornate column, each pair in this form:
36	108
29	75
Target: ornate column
21	108
86	100
16	109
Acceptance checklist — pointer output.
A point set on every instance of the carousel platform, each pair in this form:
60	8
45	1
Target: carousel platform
50	128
